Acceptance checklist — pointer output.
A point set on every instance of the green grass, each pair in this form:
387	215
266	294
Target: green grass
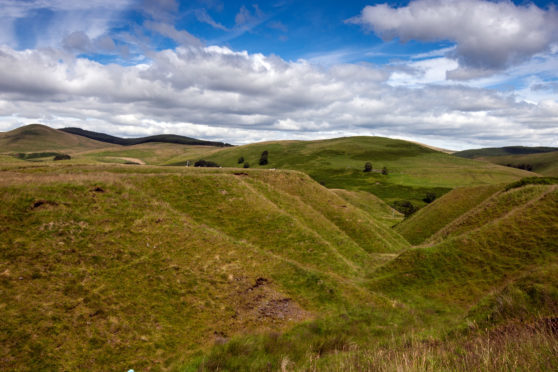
105	265
175	268
477	259
543	163
37	138
427	221
377	208
504	151
413	170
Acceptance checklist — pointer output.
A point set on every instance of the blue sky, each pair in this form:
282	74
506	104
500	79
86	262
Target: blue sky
451	73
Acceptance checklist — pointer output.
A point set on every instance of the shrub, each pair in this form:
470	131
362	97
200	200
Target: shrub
241	160
263	158
405	207
429	198
368	167
62	157
385	171
246	165
205	163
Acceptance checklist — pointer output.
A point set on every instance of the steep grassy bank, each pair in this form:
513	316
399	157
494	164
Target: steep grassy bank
142	267
427	221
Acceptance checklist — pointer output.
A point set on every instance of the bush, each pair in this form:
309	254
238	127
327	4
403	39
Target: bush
62	157
246	165
241	160
368	167
263	158
385	171
405	207
205	163
429	198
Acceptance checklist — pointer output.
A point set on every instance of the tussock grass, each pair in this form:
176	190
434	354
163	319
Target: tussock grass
515	347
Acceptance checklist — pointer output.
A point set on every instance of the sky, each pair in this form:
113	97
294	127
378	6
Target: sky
455	74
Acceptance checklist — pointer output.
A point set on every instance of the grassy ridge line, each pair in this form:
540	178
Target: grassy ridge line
544	163
360	226
370	203
461	269
430	219
36	137
498	205
225	203
339	163
141	273
503	151
163	138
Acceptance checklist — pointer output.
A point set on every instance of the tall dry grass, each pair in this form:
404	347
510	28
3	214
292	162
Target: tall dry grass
516	347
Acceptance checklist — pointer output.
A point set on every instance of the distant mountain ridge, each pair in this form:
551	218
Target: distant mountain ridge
501	151
165	138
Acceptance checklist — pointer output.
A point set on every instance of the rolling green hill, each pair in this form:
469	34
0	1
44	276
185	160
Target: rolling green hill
183	268
141	267
162	138
482	256
503	151
37	137
427	221
543	163
413	170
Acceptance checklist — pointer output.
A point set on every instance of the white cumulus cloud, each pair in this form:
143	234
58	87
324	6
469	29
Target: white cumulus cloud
489	36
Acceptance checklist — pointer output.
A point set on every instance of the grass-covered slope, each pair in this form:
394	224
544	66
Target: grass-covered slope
376	207
36	137
140	267
163	138
503	151
427	221
484	255
542	163
413	170
493	208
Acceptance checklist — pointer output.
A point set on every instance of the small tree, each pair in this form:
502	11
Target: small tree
263	158
385	171
368	167
246	164
241	160
429	198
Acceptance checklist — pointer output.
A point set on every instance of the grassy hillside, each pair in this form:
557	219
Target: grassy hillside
413	170
162	138
498	278
376	207
484	254
175	268
493	208
503	151
137	267
36	137
544	163
427	221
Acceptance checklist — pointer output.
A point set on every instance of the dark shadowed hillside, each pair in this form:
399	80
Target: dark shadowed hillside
164	138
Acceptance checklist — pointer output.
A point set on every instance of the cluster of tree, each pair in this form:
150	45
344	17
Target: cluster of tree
527	167
368	168
263	160
206	163
404	206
